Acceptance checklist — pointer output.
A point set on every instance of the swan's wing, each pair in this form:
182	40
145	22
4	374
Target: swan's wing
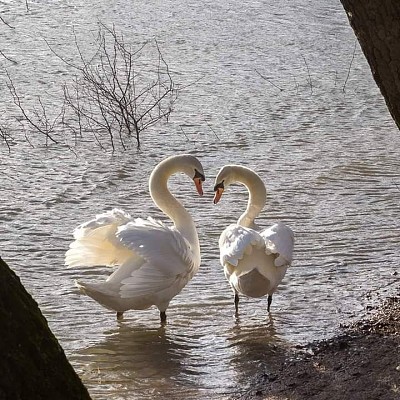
96	242
236	241
138	277
147	280
115	217
167	255
279	239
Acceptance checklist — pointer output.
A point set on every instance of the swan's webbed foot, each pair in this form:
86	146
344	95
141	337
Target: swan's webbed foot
236	304
269	302
163	317
120	315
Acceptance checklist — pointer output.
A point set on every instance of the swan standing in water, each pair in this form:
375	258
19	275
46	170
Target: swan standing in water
155	262
254	261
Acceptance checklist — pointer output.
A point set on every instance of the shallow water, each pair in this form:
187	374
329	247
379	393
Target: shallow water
329	158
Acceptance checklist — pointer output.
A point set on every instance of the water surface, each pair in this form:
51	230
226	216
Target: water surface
321	139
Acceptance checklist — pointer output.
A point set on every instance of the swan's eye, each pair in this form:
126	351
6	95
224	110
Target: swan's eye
219	186
199	175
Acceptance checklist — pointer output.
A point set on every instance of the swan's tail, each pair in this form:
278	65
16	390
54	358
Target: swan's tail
102	294
109	296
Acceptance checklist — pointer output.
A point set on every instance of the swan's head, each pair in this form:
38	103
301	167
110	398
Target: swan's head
225	177
230	174
192	167
198	179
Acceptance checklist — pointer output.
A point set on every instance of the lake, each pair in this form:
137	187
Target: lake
281	87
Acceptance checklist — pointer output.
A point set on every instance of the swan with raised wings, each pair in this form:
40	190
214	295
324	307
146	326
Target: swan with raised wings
254	261
154	261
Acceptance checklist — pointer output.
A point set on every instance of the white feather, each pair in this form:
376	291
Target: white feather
96	242
154	261
161	246
279	240
254	262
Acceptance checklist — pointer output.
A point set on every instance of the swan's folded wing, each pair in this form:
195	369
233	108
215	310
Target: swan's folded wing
137	277
236	241
96	242
147	280
167	256
279	239
167	252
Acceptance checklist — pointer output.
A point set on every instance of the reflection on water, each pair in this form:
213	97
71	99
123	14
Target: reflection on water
329	158
250	343
159	362
148	361
256	350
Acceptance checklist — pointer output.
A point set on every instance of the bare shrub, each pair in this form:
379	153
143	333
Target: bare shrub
118	91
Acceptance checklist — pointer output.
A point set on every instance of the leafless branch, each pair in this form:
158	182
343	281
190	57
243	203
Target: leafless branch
8	58
6	137
42	125
309	75
186	136
215	133
270	82
1	52
5	22
351	62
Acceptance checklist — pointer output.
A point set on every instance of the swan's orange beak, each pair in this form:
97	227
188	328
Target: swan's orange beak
198	183
218	194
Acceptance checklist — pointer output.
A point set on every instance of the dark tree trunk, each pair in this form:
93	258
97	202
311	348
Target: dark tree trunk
33	365
376	24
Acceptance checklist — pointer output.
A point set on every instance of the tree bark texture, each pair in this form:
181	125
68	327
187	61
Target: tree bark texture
33	365
376	24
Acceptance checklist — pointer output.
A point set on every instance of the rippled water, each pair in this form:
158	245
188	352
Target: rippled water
328	156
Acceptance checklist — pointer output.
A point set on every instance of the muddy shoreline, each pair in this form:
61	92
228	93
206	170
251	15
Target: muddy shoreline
361	363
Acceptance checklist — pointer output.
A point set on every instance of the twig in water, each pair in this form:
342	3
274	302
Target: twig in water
296	84
270	82
6	137
42	123
215	133
180	127
351	62
309	75
8	58
5	22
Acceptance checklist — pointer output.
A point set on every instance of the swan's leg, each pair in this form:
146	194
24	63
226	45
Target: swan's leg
120	315
269	302
163	317
236	302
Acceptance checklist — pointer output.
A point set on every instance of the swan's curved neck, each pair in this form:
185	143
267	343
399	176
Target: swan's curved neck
257	196
168	204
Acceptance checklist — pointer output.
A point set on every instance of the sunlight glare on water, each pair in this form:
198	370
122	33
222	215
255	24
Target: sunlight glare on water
267	92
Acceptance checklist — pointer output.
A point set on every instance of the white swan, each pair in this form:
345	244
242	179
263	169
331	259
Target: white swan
254	261
155	262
